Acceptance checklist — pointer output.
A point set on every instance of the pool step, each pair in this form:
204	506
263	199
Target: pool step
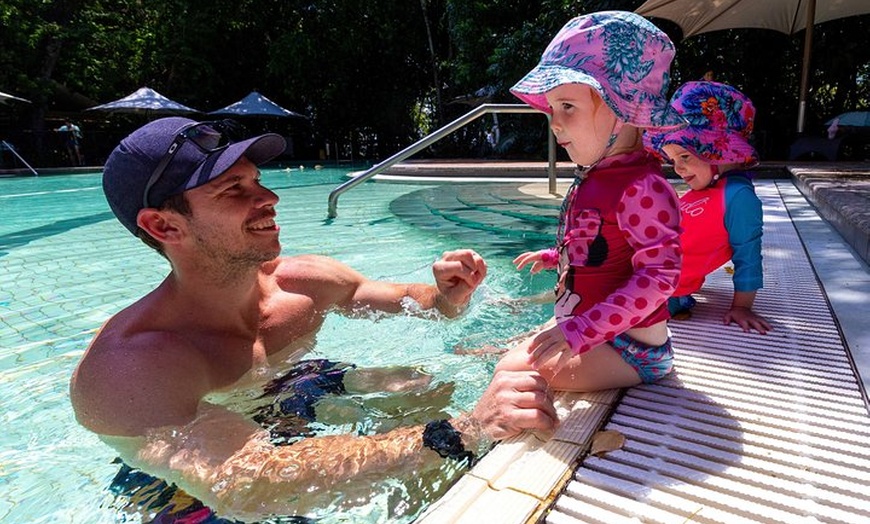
841	193
503	210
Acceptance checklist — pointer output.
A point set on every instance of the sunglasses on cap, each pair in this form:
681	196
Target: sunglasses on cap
209	137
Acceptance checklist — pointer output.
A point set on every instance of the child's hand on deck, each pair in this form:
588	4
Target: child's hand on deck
747	320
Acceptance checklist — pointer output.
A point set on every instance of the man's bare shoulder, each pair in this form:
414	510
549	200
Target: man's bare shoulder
130	380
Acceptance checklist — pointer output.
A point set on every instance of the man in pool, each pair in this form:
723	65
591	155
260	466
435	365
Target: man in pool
230	311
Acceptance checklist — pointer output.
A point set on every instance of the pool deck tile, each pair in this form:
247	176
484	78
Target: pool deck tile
495	463
538	473
526	466
579	425
487	505
840	193
505	507
467	491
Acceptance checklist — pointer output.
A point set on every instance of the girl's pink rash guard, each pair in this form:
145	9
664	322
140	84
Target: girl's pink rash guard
619	258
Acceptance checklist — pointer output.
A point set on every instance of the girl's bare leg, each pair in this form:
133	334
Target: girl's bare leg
600	368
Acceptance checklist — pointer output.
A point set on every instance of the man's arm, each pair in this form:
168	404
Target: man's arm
457	274
141	394
228	462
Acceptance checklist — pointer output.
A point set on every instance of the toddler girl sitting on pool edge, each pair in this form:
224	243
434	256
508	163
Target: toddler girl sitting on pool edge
603	78
721	214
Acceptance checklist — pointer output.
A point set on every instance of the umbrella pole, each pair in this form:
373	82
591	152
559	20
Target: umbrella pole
805	71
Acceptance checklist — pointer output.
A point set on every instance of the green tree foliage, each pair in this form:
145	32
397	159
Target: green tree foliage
358	67
372	74
496	43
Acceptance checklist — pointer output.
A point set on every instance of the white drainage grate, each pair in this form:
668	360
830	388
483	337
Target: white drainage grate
750	428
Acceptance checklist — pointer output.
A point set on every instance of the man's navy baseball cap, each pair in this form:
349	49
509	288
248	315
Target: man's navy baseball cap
132	164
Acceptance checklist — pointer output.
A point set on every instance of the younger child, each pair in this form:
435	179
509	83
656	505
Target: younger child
603	78
721	215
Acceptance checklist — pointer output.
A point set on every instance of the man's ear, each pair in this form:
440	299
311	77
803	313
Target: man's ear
163	226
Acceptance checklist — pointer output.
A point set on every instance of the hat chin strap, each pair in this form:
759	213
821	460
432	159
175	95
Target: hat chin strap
614	134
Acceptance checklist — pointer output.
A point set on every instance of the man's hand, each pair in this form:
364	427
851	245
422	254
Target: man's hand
457	275
515	401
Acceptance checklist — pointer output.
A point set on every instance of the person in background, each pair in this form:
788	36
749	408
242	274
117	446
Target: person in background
603	79
157	379
73	137
721	215
834	128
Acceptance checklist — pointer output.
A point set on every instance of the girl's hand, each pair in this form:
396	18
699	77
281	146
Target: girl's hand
549	349
538	260
529	257
747	320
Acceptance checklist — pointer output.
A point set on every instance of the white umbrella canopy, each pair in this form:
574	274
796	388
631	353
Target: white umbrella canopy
256	104
6	97
147	101
786	16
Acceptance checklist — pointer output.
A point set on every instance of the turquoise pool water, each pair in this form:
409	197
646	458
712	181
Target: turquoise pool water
66	265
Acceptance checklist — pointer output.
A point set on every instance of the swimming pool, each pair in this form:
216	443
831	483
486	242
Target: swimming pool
66	265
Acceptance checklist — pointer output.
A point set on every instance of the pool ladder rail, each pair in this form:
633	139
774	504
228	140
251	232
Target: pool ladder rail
6	146
430	139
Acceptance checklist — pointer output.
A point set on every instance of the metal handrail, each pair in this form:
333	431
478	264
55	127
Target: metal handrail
8	146
436	136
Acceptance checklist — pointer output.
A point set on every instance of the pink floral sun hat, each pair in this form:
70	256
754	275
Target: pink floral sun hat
721	120
621	55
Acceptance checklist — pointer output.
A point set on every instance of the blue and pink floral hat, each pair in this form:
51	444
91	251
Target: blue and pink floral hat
721	120
621	55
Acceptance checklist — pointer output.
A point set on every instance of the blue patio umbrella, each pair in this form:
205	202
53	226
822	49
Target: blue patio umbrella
852	119
256	104
146	101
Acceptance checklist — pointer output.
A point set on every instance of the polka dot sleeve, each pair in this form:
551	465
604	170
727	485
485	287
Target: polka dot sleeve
648	215
549	258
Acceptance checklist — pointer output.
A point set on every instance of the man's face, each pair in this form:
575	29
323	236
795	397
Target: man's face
233	217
